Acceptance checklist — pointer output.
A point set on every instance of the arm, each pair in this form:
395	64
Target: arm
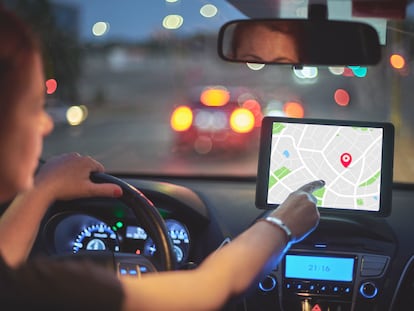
230	270
61	178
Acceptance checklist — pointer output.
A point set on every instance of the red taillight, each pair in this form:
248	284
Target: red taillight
242	120
181	119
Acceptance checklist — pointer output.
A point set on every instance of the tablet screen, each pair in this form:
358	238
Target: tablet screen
353	158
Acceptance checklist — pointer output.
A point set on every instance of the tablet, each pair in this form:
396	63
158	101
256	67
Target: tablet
354	158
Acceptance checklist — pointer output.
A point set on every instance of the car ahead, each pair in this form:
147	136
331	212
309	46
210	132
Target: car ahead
127	62
217	119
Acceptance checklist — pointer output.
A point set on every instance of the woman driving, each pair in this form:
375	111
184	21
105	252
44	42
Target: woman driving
47	284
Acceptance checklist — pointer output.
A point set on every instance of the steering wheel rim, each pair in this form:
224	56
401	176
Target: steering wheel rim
144	210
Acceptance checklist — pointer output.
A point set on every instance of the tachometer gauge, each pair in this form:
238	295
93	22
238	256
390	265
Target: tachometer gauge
96	237
179	235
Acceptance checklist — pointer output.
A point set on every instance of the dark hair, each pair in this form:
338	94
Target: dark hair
18	46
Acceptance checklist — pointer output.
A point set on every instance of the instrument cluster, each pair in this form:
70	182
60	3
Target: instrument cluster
79	232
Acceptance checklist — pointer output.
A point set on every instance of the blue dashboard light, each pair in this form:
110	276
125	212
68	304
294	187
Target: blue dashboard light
339	269
268	284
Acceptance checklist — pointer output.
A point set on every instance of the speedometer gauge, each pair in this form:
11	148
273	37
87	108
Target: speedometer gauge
179	235
96	237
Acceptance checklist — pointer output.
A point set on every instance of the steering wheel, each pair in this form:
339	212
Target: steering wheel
144	210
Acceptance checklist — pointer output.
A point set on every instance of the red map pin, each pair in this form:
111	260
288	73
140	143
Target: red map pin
346	159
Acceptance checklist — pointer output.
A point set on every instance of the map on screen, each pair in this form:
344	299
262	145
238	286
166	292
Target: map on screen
349	158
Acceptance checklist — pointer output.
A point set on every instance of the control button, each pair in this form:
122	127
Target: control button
368	290
268	284
316	307
128	269
312	287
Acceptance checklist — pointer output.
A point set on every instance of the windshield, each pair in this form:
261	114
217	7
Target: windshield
139	86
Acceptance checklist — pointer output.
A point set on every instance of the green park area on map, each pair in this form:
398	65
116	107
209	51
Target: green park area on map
278	175
277	128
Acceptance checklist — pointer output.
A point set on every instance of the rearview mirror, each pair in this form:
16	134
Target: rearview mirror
299	42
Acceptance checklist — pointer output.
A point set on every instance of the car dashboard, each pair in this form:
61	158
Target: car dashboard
125	87
372	256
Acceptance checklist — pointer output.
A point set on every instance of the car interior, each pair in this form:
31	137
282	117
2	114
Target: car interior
339	109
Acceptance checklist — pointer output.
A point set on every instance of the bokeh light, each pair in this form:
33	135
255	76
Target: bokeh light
210	120
348	72
397	61
215	97
254	66
100	28
242	120
254	106
359	71
274	108
342	97
293	110
51	86
181	119
306	72
75	115
203	145
208	10
337	71
172	21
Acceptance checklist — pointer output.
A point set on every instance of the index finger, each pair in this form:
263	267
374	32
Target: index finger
312	186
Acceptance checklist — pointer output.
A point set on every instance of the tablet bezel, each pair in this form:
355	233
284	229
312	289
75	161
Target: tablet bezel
386	172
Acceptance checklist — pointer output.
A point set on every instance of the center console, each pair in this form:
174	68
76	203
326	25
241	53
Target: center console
330	281
342	266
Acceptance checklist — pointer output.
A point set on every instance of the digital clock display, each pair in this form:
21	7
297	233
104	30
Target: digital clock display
339	269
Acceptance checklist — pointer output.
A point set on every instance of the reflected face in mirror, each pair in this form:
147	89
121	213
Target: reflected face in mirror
265	43
299	42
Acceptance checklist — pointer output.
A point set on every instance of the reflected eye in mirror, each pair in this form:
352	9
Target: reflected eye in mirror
299	42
